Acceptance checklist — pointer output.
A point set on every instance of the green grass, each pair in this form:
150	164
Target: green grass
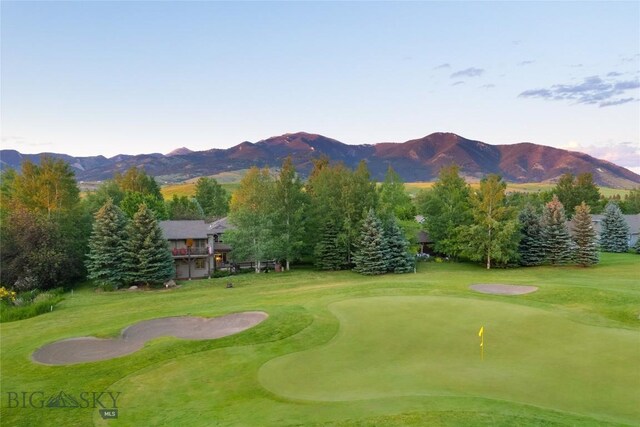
343	349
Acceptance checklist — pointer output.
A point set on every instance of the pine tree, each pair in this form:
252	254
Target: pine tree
584	236
400	260
328	252
148	258
636	247
615	231
531	246
555	234
107	247
372	254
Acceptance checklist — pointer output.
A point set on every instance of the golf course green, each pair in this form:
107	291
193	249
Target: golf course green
342	349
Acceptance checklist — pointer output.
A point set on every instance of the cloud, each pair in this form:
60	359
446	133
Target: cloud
442	66
626	154
592	90
468	72
457	83
523	63
614	74
489	86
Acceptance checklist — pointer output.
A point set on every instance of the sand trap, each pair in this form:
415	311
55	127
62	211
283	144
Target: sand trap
497	289
133	338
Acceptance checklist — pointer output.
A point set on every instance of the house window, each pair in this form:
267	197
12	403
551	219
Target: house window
201	243
200	264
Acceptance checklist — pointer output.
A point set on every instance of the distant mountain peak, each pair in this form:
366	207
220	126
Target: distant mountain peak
415	160
180	151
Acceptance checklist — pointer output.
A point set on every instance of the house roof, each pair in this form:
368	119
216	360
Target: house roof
633	221
220	226
185	229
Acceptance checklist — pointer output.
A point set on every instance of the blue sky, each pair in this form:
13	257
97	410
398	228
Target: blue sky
88	78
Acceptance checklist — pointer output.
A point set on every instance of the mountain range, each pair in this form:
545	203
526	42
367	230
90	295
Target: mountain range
414	160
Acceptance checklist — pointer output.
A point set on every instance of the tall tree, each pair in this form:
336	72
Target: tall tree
494	234
393	199
251	212
212	197
631	203
134	199
556	237
107	258
149	260
531	247
584	236
399	259
372	254
358	196
48	188
614	234
446	208
136	180
329	253
109	189
184	208
289	214
572	191
324	189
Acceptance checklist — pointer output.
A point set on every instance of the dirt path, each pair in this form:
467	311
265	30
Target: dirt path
133	338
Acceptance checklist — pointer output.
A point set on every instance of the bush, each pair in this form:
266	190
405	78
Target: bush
29	304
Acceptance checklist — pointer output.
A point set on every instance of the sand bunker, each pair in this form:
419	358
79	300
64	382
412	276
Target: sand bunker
132	339
497	289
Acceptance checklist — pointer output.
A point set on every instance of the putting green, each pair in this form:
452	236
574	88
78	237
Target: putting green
429	346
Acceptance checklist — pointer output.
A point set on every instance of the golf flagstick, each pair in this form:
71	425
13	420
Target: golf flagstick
481	335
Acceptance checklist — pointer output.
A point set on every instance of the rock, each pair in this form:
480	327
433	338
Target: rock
133	288
170	284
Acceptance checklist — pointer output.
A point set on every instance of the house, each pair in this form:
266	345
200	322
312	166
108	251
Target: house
197	247
633	221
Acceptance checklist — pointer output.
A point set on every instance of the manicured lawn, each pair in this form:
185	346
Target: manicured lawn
343	349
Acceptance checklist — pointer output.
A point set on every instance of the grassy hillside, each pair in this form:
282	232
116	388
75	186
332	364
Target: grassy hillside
343	349
415	187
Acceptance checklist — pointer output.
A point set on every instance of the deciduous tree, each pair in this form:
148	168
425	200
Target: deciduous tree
494	235
213	198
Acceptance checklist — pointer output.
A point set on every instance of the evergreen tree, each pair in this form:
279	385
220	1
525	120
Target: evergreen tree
212	197
531	247
636	247
149	260
555	234
372	254
107	256
584	236
358	196
615	231
328	252
400	260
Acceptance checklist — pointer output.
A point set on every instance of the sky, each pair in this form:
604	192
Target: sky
89	78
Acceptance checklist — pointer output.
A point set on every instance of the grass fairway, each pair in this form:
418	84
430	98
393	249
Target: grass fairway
343	349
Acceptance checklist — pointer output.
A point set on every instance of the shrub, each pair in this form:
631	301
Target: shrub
29	304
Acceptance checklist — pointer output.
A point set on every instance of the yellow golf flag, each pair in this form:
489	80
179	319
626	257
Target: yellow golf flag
481	332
